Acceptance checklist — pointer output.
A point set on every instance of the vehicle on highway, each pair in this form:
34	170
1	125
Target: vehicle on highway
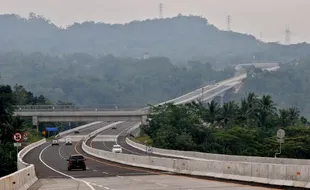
55	142
117	149
76	131
114	127
76	162
68	141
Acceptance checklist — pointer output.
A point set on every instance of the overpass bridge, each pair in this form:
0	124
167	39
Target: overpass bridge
69	113
58	113
264	66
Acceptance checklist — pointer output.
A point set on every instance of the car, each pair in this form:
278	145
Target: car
55	142
114	127
68	141
76	162
117	149
76	131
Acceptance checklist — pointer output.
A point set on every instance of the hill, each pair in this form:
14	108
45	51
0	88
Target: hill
290	85
179	38
105	80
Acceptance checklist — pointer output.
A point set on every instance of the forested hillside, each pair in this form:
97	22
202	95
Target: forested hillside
290	85
102	81
179	38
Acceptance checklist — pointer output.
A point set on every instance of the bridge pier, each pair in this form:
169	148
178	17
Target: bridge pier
143	119
35	122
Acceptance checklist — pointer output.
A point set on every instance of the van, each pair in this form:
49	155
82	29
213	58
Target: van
68	141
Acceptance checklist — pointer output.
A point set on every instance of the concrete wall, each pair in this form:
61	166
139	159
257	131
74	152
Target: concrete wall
20	163
135	130
25	176
220	157
266	173
20	180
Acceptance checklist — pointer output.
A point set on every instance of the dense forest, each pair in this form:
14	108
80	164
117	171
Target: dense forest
9	125
290	85
245	128
102	81
179	38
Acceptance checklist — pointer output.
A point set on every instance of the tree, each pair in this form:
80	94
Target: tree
248	128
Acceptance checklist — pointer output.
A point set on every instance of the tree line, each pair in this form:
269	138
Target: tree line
290	85
245	128
103	81
9	98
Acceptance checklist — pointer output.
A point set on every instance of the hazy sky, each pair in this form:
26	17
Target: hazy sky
268	17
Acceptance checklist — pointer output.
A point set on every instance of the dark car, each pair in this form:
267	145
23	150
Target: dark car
76	131
114	127
76	162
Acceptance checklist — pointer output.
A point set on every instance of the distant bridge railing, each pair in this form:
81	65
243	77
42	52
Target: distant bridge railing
71	108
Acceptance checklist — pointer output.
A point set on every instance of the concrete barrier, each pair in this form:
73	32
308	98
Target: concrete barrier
25	176
20	180
77	128
20	163
221	157
265	173
135	130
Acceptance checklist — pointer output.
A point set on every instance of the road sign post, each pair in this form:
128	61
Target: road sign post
149	149
18	138
280	140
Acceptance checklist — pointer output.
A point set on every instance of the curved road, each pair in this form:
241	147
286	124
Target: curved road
51	168
120	133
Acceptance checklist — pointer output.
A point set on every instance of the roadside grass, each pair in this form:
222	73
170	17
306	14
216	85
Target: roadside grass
146	140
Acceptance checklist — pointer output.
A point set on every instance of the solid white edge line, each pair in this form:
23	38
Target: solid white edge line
40	157
136	153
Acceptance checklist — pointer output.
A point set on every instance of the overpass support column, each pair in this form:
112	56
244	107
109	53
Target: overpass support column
35	122
143	119
222	100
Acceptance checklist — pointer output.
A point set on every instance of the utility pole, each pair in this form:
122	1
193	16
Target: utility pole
228	22
287	35
161	7
261	36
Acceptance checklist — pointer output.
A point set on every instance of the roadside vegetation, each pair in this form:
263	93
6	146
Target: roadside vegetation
246	128
9	125
288	86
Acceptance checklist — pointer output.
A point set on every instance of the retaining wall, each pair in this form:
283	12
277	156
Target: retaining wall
25	176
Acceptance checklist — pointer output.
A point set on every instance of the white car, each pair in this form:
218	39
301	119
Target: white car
55	142
117	149
68	141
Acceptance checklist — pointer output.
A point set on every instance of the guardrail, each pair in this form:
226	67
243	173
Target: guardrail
56	108
25	176
264	173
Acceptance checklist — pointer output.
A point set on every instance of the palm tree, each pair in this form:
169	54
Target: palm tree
284	117
228	113
212	112
252	100
265	109
293	114
244	112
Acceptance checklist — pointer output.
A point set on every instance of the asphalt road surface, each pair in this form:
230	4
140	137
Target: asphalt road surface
51	168
121	131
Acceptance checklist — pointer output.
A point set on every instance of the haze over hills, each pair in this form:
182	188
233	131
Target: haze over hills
179	38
